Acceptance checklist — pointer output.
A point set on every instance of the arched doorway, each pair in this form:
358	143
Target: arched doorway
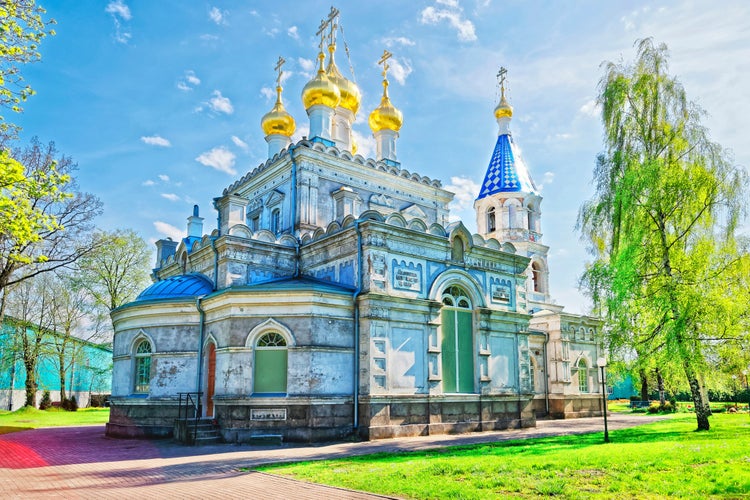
210	378
457	346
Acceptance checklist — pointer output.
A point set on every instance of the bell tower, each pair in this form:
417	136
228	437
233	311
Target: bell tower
508	207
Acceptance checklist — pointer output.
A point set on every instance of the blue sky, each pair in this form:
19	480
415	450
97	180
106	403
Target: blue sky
159	102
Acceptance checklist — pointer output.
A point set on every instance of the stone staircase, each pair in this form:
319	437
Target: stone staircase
200	433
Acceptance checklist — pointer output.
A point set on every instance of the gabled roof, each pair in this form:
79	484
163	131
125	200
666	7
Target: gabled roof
507	172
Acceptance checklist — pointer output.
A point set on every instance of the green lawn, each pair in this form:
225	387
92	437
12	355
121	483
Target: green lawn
31	418
666	458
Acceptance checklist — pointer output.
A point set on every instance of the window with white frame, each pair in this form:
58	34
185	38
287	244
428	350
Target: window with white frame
583	377
142	370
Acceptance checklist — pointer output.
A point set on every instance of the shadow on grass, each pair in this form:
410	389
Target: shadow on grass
7	429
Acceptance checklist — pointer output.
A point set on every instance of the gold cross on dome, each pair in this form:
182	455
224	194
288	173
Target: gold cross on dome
278	66
332	21
383	60
501	78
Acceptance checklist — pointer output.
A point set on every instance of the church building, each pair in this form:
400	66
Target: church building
335	298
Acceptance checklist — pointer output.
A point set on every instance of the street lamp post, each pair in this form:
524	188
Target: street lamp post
601	363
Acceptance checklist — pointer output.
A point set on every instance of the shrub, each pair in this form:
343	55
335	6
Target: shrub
654	407
70	404
46	401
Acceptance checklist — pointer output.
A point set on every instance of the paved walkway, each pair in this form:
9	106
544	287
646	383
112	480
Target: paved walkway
80	462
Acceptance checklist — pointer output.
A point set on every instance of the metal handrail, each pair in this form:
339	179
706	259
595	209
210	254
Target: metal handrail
192	403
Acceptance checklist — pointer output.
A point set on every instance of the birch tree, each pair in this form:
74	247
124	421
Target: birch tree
662	223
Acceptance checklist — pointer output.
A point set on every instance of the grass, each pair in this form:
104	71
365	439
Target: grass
667	458
31	418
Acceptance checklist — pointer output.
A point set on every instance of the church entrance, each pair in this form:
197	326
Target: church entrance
211	376
457	346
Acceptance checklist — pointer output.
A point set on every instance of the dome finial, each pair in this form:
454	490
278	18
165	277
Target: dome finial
321	90
385	116
503	109
278	120
350	93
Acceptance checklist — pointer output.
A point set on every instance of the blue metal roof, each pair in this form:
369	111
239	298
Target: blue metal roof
507	171
186	285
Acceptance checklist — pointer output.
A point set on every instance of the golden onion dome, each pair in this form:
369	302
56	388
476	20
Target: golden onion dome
321	90
503	109
278	120
350	94
386	116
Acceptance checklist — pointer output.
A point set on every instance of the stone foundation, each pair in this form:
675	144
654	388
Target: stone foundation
294	419
575	406
137	418
388	417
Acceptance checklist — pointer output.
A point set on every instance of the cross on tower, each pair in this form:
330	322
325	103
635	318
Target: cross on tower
278	66
324	24
501	79
383	60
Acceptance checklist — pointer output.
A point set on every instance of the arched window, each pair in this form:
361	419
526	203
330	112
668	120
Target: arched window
275	221
583	377
270	370
457	346
491	225
457	250
531	213
536	270
142	367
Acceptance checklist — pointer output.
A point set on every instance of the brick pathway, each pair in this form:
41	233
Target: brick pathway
80	462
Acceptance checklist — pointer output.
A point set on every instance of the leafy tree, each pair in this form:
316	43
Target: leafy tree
661	226
29	304
117	270
44	218
22	28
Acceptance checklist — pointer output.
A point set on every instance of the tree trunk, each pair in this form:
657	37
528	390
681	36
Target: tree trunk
702	409
644	384
61	360
31	386
660	386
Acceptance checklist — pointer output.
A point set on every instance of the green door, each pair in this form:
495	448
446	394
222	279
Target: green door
457	351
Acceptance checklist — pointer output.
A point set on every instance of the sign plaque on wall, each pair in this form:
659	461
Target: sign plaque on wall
268	414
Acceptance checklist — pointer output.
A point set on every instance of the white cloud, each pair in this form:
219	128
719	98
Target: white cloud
454	15
191	78
547	178
208	37
148	182
156	140
119	9
400	40
590	108
400	70
217	15
164	177
188	81
219	158
271	32
169	230
221	104
267	92
119	12
170	196
365	144
307	65
465	190
292	32
239	143
303	130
